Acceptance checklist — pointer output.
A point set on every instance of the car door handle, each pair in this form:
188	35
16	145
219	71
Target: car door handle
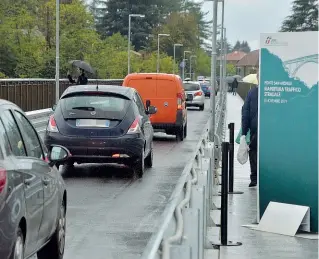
45	180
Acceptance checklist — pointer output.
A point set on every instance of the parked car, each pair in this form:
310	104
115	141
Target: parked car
103	124
166	92
195	97
205	86
33	197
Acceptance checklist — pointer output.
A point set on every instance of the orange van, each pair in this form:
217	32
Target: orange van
166	93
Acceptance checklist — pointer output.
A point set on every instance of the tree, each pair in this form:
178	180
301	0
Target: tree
241	46
304	16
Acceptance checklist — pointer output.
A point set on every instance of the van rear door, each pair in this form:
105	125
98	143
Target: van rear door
145	85
166	101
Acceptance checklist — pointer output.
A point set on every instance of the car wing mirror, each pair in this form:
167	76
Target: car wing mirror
58	154
54	107
148	104
151	110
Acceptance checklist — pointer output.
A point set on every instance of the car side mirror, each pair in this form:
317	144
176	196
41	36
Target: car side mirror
54	107
148	104
151	110
58	154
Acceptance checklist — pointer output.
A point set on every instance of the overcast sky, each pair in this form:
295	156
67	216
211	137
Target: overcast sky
246	19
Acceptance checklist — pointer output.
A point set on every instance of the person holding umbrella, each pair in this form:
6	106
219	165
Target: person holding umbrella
234	86
82	79
83	66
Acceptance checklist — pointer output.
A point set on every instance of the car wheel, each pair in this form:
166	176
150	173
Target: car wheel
139	167
18	248
149	159
54	249
180	134
202	107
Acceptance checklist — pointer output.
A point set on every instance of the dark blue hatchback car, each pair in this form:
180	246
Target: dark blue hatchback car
103	124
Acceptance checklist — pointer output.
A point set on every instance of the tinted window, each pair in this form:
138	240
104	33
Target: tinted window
12	131
32	143
98	102
140	104
191	87
4	139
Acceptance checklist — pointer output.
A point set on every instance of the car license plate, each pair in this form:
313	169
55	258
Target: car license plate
92	123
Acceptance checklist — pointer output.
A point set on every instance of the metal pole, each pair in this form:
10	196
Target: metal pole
190	68
221	56
184	64
213	72
225	54
174	60
224	195
57	52
231	127
158	53
129	46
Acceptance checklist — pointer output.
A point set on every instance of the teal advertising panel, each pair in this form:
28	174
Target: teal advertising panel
288	121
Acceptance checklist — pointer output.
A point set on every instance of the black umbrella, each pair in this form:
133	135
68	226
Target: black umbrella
81	64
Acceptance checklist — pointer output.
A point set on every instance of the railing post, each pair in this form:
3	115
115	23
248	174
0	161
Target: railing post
231	127
224	200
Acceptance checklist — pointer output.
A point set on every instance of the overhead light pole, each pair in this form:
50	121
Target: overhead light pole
175	45
129	40
222	52
158	49
184	62
190	66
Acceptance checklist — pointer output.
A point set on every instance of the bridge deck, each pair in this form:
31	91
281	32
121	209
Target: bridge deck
243	209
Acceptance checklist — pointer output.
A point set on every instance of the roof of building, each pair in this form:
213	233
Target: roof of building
234	56
251	59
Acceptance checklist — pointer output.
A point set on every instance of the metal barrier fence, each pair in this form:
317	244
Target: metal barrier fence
182	230
35	94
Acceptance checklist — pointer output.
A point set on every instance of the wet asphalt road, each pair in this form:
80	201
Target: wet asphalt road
111	216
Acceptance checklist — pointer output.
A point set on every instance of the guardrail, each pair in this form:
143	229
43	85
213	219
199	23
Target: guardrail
182	230
39	93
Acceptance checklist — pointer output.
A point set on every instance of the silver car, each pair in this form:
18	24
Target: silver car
195	97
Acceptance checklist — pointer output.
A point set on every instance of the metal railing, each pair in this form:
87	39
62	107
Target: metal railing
182	230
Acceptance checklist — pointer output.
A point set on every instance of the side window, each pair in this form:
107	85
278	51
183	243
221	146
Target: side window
140	104
4	140
13	133
31	140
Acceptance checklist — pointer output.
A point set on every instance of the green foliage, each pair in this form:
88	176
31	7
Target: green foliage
241	46
230	69
304	16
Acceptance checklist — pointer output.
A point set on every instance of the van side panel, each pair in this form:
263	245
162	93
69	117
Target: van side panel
166	101
145	87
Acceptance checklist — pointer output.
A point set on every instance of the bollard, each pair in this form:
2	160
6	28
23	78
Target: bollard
231	127
224	200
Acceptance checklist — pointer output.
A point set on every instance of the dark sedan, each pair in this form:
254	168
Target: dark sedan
32	192
103	124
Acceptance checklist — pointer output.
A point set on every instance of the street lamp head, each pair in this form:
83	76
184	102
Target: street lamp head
187	51
178	44
164	34
137	15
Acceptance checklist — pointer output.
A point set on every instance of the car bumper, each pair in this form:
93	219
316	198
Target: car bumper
121	150
196	102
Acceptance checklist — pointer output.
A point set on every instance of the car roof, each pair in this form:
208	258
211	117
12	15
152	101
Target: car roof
124	91
8	103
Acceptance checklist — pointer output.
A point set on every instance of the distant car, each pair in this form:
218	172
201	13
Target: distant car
103	124
195	97
33	197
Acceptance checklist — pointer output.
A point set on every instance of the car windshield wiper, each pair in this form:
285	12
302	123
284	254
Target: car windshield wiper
86	108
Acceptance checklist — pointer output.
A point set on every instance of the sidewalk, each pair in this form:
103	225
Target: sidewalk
243	210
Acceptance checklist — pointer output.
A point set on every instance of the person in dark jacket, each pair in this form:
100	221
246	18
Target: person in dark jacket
250	122
234	86
82	79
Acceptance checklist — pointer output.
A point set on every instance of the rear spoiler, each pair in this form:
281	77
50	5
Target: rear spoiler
97	93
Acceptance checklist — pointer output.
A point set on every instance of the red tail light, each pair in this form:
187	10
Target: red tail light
52	127
180	101
135	127
199	93
3	179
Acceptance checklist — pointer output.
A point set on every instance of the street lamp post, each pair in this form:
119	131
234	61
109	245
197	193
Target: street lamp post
190	66
129	40
158	49
175	45
184	64
221	56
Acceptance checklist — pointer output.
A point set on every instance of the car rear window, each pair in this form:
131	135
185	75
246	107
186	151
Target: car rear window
191	87
104	106
98	102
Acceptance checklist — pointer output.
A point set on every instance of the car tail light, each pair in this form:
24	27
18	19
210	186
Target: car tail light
179	101
135	127
199	93
52	127
3	179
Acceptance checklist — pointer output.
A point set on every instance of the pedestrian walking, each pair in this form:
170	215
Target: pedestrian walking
250	122
234	86
82	79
